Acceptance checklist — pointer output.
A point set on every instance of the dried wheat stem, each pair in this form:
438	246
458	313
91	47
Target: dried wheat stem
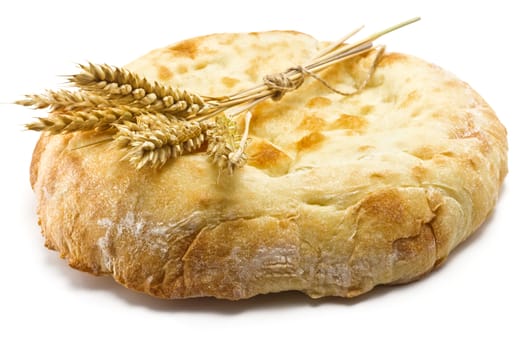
338	43
337	52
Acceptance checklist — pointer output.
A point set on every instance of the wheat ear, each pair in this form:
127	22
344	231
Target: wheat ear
95	119
130	88
154	139
64	100
226	148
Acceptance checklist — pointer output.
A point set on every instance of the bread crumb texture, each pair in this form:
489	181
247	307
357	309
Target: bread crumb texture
340	193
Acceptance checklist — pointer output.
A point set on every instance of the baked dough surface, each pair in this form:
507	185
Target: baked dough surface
339	194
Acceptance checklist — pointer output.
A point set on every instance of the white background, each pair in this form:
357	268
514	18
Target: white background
475	300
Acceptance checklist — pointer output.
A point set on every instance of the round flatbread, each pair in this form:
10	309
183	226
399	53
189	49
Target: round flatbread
339	194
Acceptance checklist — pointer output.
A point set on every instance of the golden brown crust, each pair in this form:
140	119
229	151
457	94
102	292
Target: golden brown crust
339	194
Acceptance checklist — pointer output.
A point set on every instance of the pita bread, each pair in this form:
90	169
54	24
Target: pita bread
340	194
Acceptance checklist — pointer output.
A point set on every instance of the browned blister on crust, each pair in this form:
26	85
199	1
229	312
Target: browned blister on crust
339	194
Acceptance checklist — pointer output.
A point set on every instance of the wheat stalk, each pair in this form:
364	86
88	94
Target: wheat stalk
127	87
153	139
65	100
155	122
226	148
95	119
